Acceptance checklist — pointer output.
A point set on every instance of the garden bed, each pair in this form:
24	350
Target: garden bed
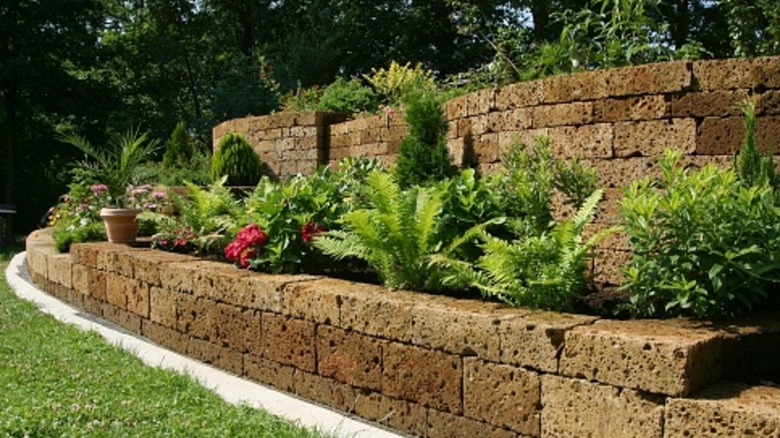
431	365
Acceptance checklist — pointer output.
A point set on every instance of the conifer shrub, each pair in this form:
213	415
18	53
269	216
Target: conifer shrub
236	160
423	156
178	149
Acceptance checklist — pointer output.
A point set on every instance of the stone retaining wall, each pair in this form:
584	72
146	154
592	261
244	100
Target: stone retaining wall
430	365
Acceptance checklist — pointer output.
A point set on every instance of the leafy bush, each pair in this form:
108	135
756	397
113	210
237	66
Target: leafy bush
178	149
706	243
537	268
77	217
236	159
397	80
423	154
302	99
348	96
394	234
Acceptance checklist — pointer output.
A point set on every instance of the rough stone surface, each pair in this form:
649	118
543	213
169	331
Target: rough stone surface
195	316
60	269
80	279
312	300
238	329
579	409
708	104
502	395
121	317
349	357
430	378
672	357
289	341
397	414
165	336
162	306
116	295
651	138
146	264
586	141
725	410
445	425
220	357
534	339
375	311
269	373
632	108
323	390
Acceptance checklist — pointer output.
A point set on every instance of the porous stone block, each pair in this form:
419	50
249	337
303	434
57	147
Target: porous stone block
165	336
620	172
769	102
708	103
430	378
146	264
312	299
659	78
464	327
60	269
481	102
607	263
651	138
238	328
737	73
534	339
162	306
195	316
632	108
577	113
397	414
86	253
37	262
486	148
97	284
672	357
261	291
375	311
289	341
91	305
137	297
579	409
725	410
717	135
349	357
323	390
519	95
586	141
80	279
116	294
122	318
502	395
445	425
221	357
456	108
269	372
588	85
112	258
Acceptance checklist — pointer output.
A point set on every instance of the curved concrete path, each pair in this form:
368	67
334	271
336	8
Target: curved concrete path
231	388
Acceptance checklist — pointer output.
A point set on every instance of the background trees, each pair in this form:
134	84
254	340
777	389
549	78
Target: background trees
108	65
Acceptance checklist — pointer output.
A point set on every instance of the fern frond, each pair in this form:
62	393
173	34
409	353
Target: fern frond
586	211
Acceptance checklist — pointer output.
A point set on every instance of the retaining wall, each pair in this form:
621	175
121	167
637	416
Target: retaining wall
430	365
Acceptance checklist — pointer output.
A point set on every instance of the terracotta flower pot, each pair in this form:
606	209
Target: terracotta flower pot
121	224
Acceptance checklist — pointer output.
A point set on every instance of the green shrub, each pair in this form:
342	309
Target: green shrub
395	82
348	96
178	149
236	159
423	156
752	167
705	243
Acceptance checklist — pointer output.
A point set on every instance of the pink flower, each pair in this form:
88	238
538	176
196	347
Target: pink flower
389	111
98	189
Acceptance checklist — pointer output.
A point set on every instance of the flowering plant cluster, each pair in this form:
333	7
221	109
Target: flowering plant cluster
180	240
249	242
80	206
146	197
310	230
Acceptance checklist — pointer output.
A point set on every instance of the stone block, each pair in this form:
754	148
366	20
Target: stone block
464	327
579	409
632	108
769	102
238	328
502	395
456	108
562	114
650	139
725	410
269	373
116	293
588	85
162	306
736	73
220	357
620	172
481	102
375	311
80	279
486	148
519	95
91	305
97	284
122	318
323	390
289	341
59	269
708	104
37	263
671	357
165	336
444	425
349	357
607	264
109	259
534	339
86	253
195	316
146	264
401	415
586	141
137	297
717	136
648	79
312	299
430	378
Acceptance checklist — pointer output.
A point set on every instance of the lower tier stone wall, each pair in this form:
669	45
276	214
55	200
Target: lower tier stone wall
430	365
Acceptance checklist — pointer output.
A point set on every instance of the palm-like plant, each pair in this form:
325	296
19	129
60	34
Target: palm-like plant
114	164
395	235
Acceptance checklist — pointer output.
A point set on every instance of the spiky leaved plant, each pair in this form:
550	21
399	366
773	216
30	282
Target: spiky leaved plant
537	269
395	234
752	167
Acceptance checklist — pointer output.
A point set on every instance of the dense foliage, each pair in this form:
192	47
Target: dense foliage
237	162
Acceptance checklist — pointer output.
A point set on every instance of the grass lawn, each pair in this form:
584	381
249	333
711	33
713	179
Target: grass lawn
56	380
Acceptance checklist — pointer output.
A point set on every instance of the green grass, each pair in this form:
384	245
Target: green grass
56	380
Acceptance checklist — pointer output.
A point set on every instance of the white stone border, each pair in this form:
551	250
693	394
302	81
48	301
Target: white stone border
231	388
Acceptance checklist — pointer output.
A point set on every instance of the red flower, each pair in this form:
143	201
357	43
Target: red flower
252	235
309	230
246	245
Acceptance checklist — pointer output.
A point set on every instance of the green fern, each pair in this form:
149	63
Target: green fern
536	269
395	235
